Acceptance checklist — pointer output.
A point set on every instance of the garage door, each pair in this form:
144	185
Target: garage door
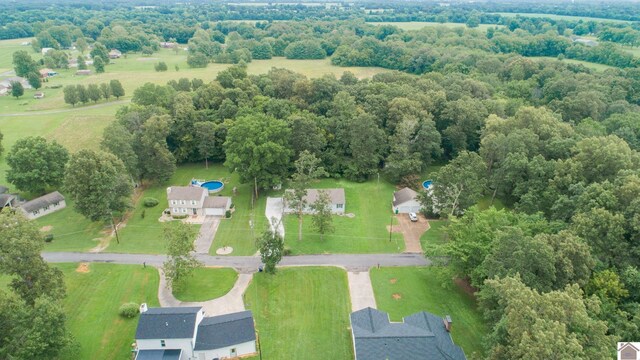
408	209
214	212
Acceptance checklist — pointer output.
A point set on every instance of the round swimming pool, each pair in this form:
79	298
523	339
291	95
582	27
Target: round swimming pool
427	184
212	186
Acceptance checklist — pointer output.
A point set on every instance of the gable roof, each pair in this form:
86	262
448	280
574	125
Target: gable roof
214	202
167	323
225	330
6	199
173	354
42	201
336	195
420	336
404	195
3	189
186	193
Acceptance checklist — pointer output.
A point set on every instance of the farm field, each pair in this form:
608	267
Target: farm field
366	232
404	291
417	25
561	17
302	313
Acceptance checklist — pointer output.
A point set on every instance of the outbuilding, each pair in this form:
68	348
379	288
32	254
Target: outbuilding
43	205
406	201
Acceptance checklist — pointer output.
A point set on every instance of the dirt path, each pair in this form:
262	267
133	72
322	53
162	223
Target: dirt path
412	231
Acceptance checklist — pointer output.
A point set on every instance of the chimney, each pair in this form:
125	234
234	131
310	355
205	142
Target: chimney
143	308
447	323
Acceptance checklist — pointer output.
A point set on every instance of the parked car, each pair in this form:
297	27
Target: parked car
413	217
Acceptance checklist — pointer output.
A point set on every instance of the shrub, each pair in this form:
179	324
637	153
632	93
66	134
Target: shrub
150	202
129	310
161	66
227	214
48	238
179	217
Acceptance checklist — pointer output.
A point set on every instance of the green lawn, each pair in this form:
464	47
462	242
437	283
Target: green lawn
92	304
302	313
561	17
589	65
206	284
417	25
485	202
365	233
420	289
436	235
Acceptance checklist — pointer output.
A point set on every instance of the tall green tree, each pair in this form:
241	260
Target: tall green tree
34	80
257	147
23	64
98	183
116	88
99	64
205	136
105	90
99	51
271	247
71	95
366	145
36	164
156	161
322	217
180	261
17	89
94	93
120	142
83	95
82	64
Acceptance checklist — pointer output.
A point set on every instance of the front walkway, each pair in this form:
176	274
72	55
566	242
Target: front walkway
274	209
229	303
207	234
361	290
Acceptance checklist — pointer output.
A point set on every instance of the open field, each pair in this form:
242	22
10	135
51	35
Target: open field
92	303
302	313
590	65
404	291
561	17
367	232
206	284
417	25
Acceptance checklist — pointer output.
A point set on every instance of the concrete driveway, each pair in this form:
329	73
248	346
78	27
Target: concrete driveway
274	209
411	231
207	234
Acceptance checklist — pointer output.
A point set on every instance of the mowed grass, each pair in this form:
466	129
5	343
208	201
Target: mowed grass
420	289
92	303
206	284
589	65
436	235
367	232
417	25
561	17
302	313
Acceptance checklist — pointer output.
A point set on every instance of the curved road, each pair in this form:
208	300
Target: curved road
249	264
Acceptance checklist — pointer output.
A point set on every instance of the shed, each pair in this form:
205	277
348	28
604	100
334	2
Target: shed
406	201
38	95
83	72
115	54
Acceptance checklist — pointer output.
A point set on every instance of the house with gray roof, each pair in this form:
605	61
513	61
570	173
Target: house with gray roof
181	333
195	201
44	205
405	201
419	336
336	196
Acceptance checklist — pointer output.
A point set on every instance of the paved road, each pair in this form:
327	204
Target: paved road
249	264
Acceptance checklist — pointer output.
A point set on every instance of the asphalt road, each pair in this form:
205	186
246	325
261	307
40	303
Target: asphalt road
246	264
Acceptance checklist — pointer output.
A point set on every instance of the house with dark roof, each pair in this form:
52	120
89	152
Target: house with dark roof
405	201
195	200
181	333
45	204
336	197
627	351
419	336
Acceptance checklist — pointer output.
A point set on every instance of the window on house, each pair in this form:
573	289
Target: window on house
162	343
46	207
339	206
193	202
175	209
56	203
174	202
182	202
184	210
35	212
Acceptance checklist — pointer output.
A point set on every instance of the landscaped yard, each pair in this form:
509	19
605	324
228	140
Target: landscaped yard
367	232
92	303
407	290
302	313
206	284
436	234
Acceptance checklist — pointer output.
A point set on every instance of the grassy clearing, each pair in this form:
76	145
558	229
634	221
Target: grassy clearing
206	284
417	25
365	233
590	65
485	202
92	304
436	235
302	313
420	289
561	17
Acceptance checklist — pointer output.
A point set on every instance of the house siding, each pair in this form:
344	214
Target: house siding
44	211
243	349
408	207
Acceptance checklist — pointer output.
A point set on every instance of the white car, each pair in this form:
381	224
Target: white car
413	217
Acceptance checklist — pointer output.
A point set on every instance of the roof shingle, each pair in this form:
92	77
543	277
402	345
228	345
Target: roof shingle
167	323
226	330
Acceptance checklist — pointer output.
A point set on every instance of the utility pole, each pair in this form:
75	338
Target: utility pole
390	228
115	229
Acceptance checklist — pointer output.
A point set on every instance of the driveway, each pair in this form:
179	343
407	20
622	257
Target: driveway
274	209
207	234
412	231
361	290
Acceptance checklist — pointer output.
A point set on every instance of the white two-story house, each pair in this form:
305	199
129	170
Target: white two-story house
336	197
195	200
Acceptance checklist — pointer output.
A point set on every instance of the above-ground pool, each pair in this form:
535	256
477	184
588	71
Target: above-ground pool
427	184
212	186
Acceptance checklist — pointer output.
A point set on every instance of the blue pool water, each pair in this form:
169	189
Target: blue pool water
214	185
427	184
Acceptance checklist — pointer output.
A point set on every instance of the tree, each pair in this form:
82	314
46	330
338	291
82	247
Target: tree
105	90
180	261
205	134
98	184
457	185
94	93
71	95
36	165
271	247
120	142
156	161
23	64
161	66
82	64
83	95
322	217
116	88
197	60
82	46
98	63
257	147
307	169
34	80
17	89
366	144
99	51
